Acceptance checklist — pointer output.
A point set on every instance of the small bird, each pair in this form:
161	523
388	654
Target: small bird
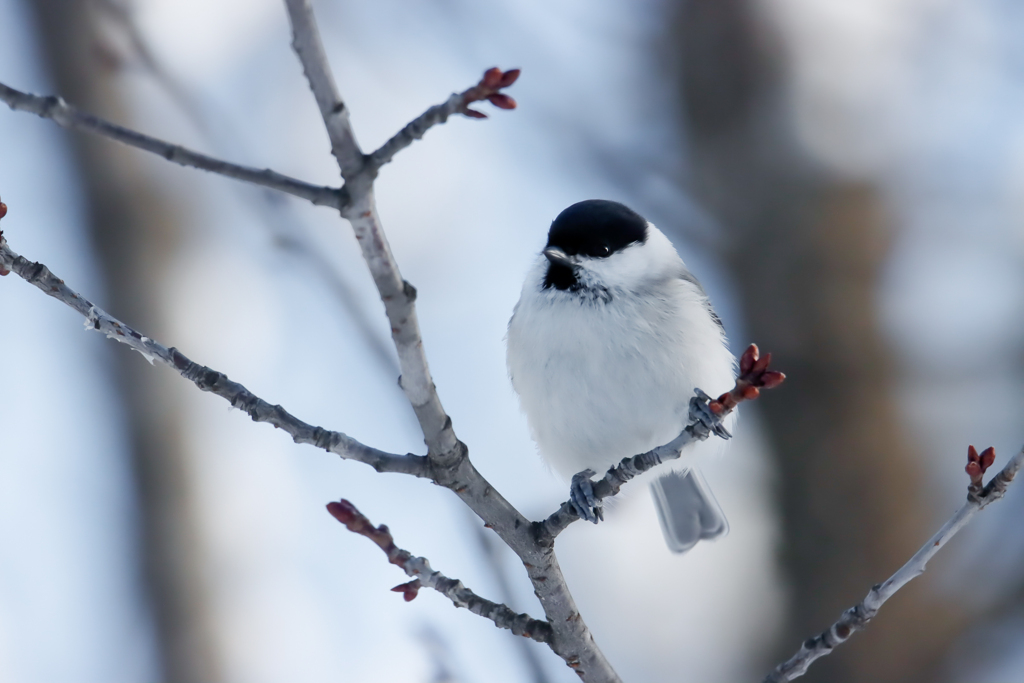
610	339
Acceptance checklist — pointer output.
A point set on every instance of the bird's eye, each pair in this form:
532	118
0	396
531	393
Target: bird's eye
603	250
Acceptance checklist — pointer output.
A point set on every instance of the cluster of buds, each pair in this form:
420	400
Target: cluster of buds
489	88
754	376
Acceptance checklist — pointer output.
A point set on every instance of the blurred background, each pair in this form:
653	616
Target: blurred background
847	179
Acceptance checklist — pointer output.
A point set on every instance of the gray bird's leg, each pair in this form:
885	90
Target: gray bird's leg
581	495
703	421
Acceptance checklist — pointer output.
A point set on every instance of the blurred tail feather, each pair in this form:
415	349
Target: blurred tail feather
687	510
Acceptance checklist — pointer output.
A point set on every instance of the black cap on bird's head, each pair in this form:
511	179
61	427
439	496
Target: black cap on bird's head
596	228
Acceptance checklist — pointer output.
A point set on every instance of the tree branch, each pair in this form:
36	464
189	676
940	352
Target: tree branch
447	462
754	376
570	638
858	616
489	548
448	457
489	88
443	448
310	49
203	377
69	117
419	569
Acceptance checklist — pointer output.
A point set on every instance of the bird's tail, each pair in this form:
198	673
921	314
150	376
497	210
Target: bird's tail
687	510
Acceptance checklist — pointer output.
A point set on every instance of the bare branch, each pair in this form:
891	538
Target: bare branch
419	569
206	378
858	616
448	457
571	639
754	376
69	117
489	88
310	49
443	447
447	462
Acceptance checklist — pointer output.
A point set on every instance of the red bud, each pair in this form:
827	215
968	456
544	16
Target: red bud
508	78
762	364
343	511
409	590
502	101
748	358
3	209
474	114
987	457
492	78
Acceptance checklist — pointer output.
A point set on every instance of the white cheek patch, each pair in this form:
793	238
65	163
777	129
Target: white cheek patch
636	265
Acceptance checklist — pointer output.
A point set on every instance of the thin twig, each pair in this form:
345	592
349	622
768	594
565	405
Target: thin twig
754	376
858	616
285	225
69	117
310	49
206	378
489	88
422	574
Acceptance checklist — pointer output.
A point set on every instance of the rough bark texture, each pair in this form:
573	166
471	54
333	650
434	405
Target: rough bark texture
805	249
134	227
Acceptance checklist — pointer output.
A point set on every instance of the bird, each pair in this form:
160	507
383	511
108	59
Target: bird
609	341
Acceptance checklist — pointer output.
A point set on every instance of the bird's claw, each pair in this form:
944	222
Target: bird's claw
703	421
581	495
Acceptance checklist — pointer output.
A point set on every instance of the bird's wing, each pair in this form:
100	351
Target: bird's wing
687	510
687	276
692	279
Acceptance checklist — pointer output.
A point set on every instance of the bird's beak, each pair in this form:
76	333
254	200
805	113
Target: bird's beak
559	257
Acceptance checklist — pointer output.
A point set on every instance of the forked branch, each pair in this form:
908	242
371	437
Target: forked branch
422	574
446	462
447	456
203	377
67	116
489	88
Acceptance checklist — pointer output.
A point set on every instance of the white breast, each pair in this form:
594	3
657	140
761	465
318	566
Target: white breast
600	380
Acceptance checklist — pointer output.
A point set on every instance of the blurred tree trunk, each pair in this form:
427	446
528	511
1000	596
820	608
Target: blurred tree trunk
805	250
135	226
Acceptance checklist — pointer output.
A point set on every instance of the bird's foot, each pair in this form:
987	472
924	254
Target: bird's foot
581	495
704	420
